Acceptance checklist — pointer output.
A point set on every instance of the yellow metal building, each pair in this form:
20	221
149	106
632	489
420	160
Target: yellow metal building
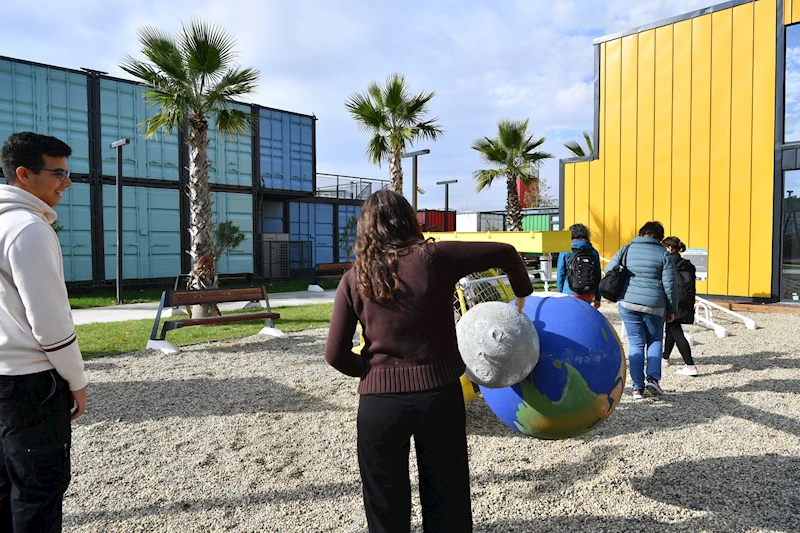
689	130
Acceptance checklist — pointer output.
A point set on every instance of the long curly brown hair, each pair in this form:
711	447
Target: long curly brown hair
387	226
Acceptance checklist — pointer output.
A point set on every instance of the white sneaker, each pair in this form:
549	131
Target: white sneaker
664	362
688	370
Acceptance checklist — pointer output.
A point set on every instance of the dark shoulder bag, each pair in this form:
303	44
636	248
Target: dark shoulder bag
612	285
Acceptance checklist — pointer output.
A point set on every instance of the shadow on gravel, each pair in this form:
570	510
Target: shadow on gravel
743	493
136	401
111	517
754	361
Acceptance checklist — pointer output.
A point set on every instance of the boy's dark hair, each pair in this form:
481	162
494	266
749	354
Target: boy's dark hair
579	231
26	149
652	229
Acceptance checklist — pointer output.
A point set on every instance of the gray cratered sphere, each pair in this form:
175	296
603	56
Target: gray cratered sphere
499	345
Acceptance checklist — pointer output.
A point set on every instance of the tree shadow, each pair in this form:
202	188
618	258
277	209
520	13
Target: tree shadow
136	401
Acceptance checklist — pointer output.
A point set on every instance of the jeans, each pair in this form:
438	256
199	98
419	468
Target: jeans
35	436
643	329
673	336
437	420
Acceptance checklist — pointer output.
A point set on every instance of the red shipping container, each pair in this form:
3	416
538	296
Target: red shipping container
433	220
527	193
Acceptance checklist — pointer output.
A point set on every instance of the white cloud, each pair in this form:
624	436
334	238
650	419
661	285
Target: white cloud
485	60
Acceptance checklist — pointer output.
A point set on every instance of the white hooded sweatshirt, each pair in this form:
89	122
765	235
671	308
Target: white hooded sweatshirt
36	328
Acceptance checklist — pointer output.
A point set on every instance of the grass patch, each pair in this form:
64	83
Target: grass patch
113	338
108	297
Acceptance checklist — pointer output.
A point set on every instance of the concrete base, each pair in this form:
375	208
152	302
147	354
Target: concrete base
165	346
273	332
176	311
315	288
253	305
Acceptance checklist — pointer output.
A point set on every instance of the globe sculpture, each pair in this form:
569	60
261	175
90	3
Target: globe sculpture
578	380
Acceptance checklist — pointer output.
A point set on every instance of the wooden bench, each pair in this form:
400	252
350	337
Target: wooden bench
210	296
244	278
330	271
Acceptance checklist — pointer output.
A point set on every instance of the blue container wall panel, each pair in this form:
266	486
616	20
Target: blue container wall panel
287	151
313	222
47	101
272	217
346	212
74	215
122	110
230	156
150	232
237	208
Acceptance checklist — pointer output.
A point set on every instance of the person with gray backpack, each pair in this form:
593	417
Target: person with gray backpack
578	272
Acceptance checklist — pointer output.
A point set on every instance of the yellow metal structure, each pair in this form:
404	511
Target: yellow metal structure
539	242
687	137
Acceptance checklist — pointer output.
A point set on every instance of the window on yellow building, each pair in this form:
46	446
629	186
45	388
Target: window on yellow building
792	94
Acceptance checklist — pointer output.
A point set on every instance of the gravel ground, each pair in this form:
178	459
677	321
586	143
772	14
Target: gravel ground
259	435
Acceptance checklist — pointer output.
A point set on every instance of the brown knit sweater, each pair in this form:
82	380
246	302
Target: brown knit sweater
411	340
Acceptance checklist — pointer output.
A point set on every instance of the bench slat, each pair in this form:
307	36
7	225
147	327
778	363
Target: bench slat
334	266
225	319
216	296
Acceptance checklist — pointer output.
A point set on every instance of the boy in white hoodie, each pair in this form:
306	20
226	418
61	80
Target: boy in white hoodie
42	382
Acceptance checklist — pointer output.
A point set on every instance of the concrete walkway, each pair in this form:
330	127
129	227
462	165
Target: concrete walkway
119	313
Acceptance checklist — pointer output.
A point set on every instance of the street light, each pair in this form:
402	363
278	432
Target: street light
118	145
446	201
414	187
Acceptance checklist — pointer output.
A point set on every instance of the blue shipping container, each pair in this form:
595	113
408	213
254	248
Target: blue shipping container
150	232
287	151
122	110
47	101
346	212
230	157
76	236
237	208
314	223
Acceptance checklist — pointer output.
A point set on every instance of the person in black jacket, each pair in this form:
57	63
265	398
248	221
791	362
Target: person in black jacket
685	314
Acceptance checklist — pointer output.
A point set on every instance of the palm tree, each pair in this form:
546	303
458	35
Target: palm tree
514	154
577	149
193	76
394	118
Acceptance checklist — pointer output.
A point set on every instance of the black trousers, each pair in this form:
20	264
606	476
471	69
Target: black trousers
35	437
673	335
437	420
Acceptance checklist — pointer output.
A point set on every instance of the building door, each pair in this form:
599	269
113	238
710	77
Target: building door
790	260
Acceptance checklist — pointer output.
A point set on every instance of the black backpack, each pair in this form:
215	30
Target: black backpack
686	291
582	271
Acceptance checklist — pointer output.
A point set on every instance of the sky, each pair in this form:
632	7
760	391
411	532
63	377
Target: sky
502	59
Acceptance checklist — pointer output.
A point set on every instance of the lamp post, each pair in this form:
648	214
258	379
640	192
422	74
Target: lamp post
118	145
446	202
414	187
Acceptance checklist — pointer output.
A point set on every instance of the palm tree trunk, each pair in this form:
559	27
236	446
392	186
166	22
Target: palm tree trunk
513	207
396	172
204	272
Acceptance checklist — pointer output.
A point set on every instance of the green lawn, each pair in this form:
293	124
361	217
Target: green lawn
113	338
107	297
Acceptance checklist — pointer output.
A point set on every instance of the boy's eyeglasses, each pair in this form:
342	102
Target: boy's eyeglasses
60	172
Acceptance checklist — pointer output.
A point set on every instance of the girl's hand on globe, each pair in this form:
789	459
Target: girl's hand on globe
520	304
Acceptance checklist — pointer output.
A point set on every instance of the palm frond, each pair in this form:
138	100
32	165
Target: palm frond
378	149
368	117
489	152
208	49
233	121
395	94
484	178
160	48
165	121
589	143
237	82
427	131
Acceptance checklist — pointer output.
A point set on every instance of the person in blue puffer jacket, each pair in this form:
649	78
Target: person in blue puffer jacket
580	240
649	299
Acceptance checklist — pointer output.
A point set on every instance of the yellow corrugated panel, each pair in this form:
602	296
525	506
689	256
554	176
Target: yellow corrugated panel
610	146
581	193
719	179
701	136
627	191
569	195
645	127
597	169
662	150
741	126
763	147
787	12
795	10
596	199
681	129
